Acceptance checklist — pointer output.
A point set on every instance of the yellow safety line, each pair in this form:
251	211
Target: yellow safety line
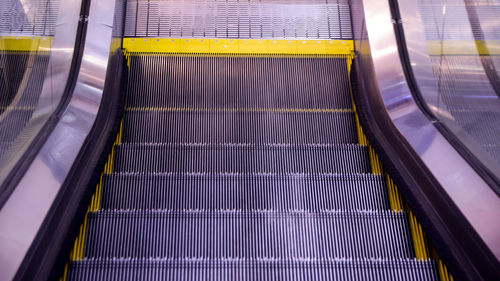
65	273
99	193
238	46
25	43
375	161
464	47
419	240
394	196
77	253
84	232
422	249
119	140
443	271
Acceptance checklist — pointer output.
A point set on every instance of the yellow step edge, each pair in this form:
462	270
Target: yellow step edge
65	273
26	43
99	193
238	46
393	195
84	233
375	162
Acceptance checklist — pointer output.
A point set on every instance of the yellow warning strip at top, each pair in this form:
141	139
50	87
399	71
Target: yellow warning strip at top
464	47
239	46
25	43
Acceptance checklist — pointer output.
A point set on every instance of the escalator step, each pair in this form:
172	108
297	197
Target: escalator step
256	270
254	234
244	192
238	81
198	126
240	158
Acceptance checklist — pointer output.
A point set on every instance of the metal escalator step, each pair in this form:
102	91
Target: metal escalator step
248	234
269	19
190	81
241	158
244	192
253	270
198	126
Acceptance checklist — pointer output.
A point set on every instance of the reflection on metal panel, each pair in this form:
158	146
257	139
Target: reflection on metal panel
28	17
447	20
21	80
327	19
462	48
469	100
471	194
458	92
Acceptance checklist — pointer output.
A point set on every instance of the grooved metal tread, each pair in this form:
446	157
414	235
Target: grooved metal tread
198	126
235	82
242	158
248	234
243	168
278	19
244	192
254	270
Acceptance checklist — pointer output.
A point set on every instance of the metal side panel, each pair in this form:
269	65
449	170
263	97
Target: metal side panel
379	51
24	212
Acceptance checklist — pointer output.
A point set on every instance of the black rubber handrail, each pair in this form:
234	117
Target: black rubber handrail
55	239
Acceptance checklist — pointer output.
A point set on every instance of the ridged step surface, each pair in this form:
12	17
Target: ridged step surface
253	270
248	234
244	168
239	126
236	82
241	158
244	192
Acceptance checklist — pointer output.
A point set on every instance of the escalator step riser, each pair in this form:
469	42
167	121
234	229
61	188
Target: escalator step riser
235	82
149	270
216	235
239	127
256	192
183	158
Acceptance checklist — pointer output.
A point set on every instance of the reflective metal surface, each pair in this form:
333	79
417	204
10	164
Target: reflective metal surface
451	69
28	205
27	29
476	200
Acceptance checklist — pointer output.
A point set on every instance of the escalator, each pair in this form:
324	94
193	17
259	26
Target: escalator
251	140
243	167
